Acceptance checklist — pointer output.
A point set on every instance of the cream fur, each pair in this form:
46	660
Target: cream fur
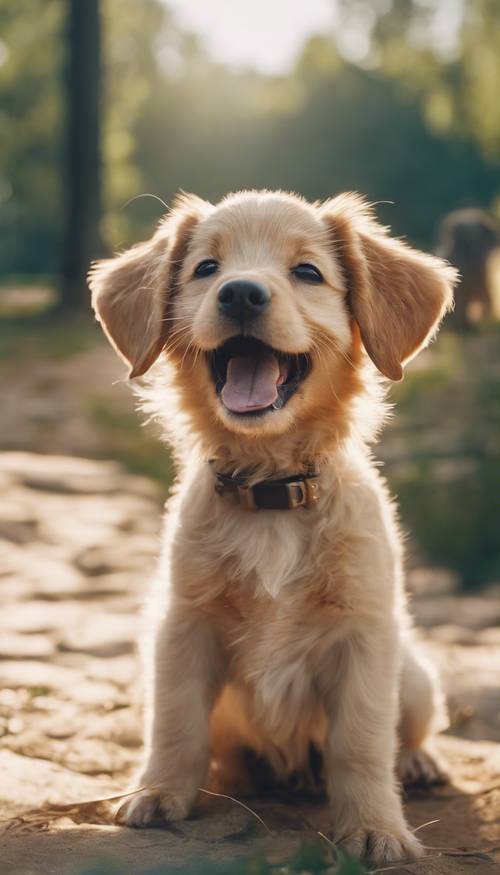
274	629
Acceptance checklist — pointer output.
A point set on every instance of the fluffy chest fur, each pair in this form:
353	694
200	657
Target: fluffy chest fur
275	647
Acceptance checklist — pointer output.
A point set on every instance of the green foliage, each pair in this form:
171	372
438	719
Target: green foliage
454	71
446	473
30	145
330	127
130	31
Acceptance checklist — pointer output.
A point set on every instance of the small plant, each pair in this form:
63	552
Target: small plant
310	859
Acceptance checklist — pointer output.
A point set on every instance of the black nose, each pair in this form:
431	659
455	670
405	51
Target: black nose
243	300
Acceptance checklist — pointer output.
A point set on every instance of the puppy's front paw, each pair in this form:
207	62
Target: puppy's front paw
420	768
151	807
379	846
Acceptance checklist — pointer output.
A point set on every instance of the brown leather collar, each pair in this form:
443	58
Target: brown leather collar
288	493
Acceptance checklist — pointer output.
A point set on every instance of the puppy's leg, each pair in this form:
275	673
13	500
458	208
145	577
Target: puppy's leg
361	696
422	712
187	675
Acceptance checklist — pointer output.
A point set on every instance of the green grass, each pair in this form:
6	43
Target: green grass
47	336
139	450
310	859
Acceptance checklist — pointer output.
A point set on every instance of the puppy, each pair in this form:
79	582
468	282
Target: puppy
280	626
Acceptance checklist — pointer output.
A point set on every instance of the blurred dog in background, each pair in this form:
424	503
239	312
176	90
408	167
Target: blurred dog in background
468	239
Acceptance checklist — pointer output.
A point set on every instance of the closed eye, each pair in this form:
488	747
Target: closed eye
206	268
307	273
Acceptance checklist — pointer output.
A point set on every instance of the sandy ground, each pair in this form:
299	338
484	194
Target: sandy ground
78	541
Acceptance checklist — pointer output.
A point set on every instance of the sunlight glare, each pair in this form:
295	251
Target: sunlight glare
264	34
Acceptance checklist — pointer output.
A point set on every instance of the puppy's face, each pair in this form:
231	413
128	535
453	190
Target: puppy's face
260	302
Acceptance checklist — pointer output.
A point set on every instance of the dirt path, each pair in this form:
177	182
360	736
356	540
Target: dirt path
77	544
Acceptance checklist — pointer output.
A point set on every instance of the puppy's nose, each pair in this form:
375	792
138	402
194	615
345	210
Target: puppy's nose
243	300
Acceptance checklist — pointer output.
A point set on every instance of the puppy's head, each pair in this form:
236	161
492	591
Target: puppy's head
262	303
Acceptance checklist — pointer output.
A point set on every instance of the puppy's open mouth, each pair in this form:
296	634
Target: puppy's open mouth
252	378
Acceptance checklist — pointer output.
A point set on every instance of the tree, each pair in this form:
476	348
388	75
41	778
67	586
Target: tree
82	190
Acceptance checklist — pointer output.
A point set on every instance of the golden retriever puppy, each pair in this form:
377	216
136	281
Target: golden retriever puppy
279	621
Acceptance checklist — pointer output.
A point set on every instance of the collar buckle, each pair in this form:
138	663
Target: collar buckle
311	488
297	496
302	492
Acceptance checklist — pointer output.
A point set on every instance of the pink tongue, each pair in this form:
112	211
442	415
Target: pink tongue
251	382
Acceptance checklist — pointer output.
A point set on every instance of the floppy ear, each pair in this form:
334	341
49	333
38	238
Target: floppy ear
396	294
130	293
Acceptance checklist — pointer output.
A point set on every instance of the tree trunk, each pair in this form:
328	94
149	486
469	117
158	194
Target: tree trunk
82	184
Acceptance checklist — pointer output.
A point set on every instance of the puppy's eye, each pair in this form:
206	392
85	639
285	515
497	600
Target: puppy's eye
307	273
206	268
